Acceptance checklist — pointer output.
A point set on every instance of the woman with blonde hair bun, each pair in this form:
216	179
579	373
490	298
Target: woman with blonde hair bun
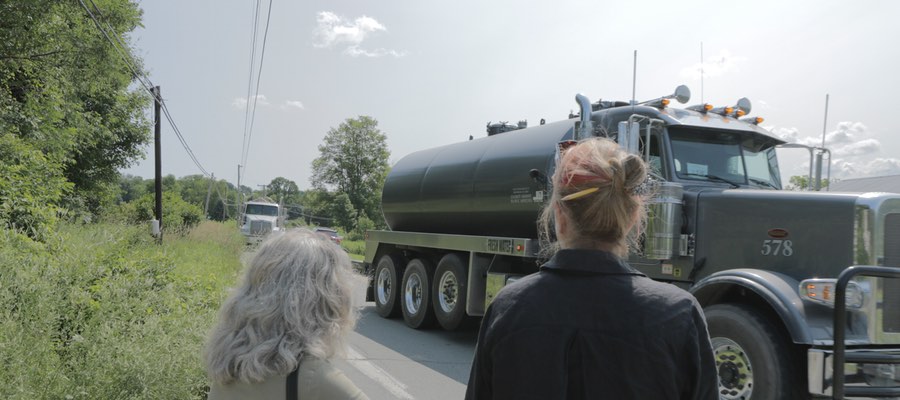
588	325
286	319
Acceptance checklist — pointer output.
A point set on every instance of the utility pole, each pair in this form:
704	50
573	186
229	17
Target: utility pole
157	98
212	181
818	183
239	198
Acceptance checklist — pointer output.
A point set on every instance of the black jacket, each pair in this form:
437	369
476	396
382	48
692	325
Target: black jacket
589	326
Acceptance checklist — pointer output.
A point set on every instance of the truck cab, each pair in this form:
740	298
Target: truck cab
259	218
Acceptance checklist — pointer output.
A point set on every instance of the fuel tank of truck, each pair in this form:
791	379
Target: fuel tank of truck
479	187
794	233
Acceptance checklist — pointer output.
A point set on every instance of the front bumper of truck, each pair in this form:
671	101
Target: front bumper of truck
860	368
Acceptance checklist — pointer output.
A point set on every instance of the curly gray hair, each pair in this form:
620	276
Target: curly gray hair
295	297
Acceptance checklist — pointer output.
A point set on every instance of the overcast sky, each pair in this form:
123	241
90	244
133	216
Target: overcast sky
433	73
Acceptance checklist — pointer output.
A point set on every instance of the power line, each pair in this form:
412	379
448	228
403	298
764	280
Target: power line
250	82
256	96
137	75
145	81
190	152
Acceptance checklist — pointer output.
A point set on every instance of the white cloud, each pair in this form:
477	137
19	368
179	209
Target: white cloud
241	102
846	169
355	51
853	148
714	66
333	30
790	135
883	166
860	148
292	104
847	132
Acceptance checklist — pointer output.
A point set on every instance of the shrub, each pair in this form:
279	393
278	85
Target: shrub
31	188
354	246
179	216
101	312
363	224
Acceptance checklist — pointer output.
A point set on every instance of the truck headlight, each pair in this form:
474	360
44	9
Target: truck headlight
822	291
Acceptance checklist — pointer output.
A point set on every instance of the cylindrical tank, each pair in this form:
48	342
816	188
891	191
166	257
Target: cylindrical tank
663	222
478	187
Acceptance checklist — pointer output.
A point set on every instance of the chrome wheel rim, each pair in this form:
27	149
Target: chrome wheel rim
413	294
734	369
383	286
448	292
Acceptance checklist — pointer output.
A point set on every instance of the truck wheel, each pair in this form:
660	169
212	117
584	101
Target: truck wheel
449	291
385	286
752	358
415	296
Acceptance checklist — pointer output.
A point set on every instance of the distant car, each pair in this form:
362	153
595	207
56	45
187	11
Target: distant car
331	233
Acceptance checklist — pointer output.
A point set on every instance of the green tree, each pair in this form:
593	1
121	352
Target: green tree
286	193
802	182
283	190
317	206
342	210
193	189
131	188
65	91
353	160
223	203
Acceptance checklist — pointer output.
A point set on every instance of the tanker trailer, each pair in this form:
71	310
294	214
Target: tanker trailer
788	316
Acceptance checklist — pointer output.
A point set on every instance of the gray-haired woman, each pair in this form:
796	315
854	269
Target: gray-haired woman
287	318
588	325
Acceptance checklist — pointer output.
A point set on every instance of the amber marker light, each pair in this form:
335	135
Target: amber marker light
702	108
822	291
753	120
740	113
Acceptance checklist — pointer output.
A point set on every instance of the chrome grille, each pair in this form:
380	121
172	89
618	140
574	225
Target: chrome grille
891	306
260	227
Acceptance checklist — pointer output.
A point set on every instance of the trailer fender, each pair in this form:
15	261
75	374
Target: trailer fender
779	291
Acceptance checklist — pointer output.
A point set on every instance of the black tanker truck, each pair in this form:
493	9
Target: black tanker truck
799	288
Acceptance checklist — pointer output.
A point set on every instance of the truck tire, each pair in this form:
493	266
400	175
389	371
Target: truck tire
386	287
752	358
449	290
415	296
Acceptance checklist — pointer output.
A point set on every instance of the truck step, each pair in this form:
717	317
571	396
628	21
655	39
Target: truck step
865	391
872	357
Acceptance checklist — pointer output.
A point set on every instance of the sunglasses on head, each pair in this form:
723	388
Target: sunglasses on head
565	145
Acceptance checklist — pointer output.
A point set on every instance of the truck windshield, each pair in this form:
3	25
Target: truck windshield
722	156
261	209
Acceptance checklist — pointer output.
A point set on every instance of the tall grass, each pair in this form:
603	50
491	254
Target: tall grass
103	312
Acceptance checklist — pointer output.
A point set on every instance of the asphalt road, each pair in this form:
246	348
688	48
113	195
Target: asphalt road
388	360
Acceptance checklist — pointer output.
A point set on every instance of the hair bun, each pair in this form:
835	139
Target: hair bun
635	171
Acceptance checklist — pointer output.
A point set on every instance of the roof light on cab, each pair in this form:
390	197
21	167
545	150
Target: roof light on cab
723	111
703	108
753	120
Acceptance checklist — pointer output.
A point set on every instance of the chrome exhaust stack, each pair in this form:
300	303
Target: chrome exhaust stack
586	129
